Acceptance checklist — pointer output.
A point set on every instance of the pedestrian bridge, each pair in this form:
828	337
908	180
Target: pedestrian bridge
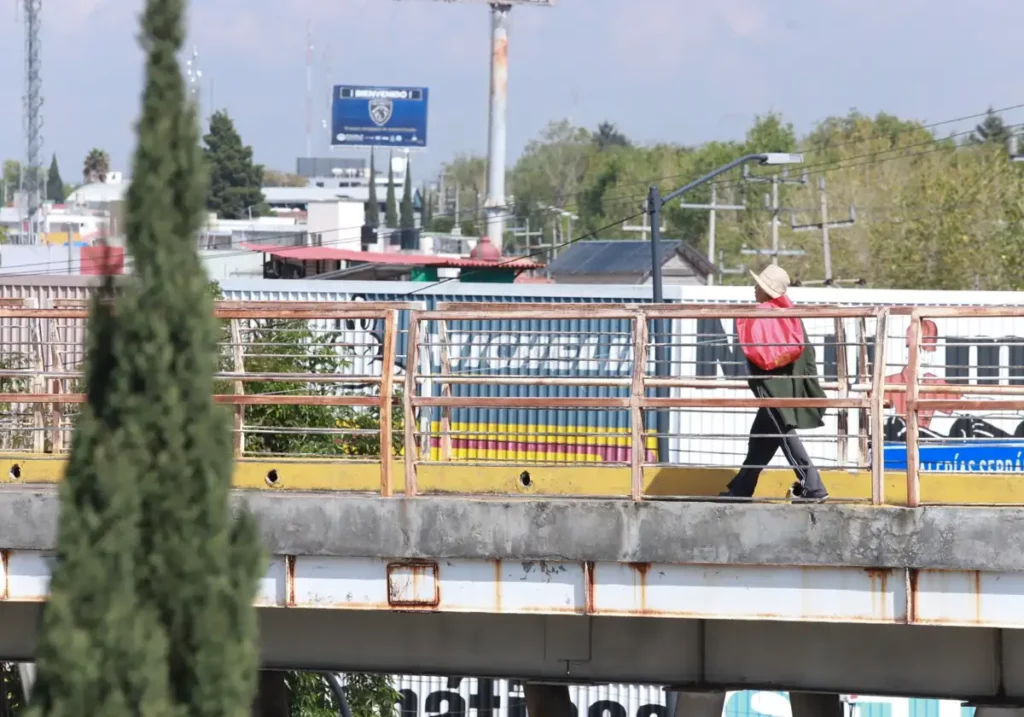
600	400
543	514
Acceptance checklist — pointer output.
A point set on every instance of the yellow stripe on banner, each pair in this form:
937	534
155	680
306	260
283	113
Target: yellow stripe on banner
521	478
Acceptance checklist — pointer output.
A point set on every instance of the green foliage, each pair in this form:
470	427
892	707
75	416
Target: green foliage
12	694
931	212
151	610
467	175
408	214
235	180
368	695
992	130
442	225
427	216
371	695
390	207
372	219
54	184
608	136
96	166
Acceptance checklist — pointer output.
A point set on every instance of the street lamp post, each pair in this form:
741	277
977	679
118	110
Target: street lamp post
655	204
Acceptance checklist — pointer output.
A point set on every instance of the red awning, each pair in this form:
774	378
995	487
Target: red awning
325	253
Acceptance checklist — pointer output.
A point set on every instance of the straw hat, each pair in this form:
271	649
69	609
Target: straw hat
774	280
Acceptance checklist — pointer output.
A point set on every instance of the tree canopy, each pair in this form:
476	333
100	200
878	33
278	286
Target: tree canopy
235	180
96	166
931	211
390	202
54	184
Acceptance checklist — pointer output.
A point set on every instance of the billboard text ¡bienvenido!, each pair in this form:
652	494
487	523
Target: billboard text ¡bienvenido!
369	116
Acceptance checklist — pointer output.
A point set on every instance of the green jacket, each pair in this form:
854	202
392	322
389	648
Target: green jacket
797	380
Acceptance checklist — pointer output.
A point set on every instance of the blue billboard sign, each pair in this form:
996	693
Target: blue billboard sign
978	456
364	116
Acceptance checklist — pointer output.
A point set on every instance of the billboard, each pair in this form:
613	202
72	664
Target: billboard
365	116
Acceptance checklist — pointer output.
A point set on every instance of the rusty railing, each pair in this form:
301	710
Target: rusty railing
547	385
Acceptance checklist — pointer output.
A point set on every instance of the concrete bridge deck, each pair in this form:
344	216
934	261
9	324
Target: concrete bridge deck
857	599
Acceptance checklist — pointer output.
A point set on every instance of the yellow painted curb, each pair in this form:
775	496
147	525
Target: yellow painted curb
554	480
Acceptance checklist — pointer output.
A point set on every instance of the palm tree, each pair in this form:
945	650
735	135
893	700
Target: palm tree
96	166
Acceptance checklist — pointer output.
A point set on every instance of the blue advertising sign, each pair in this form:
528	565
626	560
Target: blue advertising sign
1000	455
363	116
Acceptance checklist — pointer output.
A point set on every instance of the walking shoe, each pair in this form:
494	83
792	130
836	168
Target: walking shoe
798	494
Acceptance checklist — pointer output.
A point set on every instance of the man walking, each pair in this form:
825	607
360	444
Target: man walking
775	428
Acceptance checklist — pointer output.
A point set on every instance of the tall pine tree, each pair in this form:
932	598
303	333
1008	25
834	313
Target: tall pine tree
151	609
236	182
408	214
372	219
390	205
54	184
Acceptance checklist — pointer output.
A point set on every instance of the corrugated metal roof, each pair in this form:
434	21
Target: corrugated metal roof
611	256
323	253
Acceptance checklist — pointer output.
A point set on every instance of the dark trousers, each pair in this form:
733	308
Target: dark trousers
767	434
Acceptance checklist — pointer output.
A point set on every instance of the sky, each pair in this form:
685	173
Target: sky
683	71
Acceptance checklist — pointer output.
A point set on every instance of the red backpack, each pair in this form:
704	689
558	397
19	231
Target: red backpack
770	343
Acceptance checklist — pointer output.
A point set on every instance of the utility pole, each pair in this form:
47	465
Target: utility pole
712	223
711	230
644	229
825	225
772	202
527	235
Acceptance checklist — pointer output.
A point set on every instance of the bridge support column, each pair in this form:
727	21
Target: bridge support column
548	700
815	704
696	704
271	695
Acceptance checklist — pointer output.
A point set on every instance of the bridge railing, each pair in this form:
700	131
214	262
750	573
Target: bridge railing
565	398
570	384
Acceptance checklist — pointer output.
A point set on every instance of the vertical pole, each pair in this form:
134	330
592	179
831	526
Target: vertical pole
661	355
843	377
238	366
711	232
877	411
409	411
638	451
825	247
913	423
775	219
70	238
496	140
387	395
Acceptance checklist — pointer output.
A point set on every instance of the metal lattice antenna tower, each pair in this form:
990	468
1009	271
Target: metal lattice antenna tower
193	74
33	108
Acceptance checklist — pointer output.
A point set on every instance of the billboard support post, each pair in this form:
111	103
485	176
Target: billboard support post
497	130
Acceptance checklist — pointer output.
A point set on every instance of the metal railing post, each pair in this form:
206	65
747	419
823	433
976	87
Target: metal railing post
913	427
843	379
409	413
387	396
877	409
638	431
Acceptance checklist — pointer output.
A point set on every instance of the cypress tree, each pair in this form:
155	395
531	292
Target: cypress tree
54	184
151	608
408	215
372	219
390	206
